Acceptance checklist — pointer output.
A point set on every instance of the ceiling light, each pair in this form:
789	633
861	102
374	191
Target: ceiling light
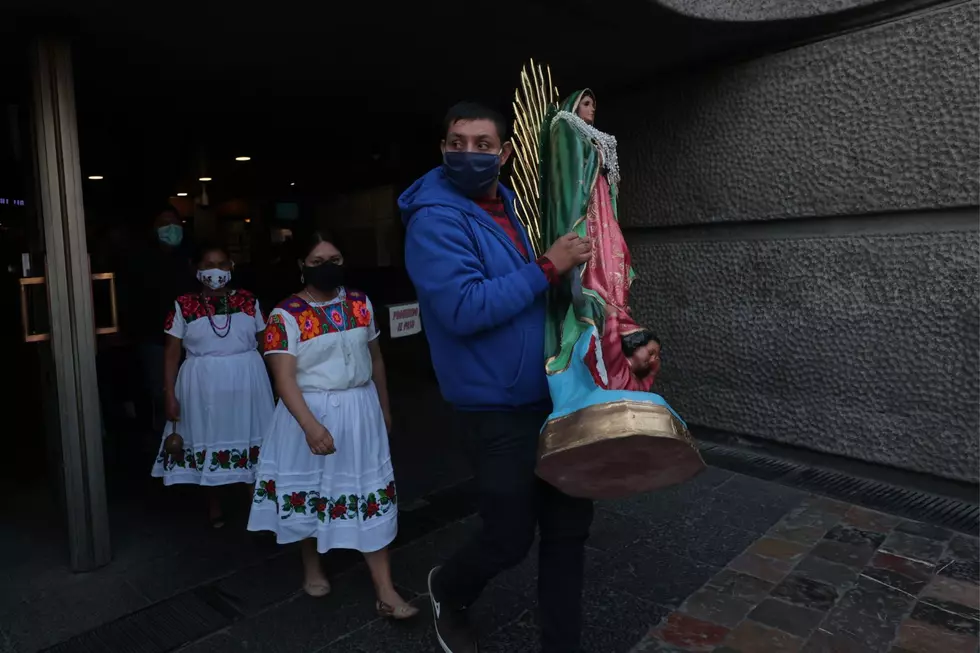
248	220
96	177
292	183
205	179
243	158
181	194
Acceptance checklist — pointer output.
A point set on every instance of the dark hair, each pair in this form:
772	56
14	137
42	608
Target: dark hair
204	248
166	208
468	111
303	242
637	339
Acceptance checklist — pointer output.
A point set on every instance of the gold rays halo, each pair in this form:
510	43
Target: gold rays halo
532	100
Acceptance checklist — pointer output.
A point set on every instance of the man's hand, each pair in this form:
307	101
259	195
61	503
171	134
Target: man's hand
569	251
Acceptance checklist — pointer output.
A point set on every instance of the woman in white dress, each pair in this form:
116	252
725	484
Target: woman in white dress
325	477
221	400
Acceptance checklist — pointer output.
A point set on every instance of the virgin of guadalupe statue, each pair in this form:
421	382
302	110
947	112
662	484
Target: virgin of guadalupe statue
608	435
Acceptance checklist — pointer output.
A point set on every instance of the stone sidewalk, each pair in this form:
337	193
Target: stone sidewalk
834	578
726	563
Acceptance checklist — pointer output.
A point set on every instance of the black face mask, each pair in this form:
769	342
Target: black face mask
325	277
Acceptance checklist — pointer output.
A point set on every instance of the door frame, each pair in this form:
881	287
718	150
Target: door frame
69	295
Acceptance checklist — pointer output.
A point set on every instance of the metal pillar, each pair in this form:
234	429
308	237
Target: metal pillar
69	292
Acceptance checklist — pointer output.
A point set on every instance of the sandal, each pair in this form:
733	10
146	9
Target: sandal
398	613
317	589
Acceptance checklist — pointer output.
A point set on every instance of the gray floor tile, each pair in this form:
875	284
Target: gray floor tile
658	577
305	624
59	613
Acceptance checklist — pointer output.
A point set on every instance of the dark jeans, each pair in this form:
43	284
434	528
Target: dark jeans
502	447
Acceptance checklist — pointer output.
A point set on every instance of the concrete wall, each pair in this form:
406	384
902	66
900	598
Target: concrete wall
805	231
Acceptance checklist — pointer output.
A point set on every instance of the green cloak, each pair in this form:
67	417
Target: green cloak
570	165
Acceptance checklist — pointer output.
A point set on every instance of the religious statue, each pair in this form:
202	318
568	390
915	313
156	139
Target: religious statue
608	435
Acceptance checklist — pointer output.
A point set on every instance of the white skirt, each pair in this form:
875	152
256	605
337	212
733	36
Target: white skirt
346	500
226	407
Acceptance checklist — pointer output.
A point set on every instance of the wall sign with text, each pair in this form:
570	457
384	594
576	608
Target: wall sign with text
404	320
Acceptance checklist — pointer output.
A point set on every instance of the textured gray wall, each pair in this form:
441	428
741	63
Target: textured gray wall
787	309
882	119
751	10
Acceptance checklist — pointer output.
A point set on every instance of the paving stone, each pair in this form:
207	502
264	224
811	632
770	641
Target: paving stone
964	547
648	644
902	573
752	505
691	634
826	506
769	547
809	522
687	537
741	586
519	635
954	591
968	570
752	637
922	637
844	554
655	576
913	546
927	531
806	592
613	532
836	575
788	618
410	565
711	605
869	613
945	619
856	536
849	546
961	559
806	535
955	608
667	505
254	588
870	520
614	620
59	613
304	623
823	641
764	568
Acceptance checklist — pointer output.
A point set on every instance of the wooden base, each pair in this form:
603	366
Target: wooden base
611	451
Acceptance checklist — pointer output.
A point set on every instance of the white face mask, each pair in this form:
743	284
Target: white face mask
214	278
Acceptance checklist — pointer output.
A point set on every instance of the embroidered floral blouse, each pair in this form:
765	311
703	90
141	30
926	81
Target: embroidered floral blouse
329	340
236	317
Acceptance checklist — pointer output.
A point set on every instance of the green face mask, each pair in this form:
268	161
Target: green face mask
171	234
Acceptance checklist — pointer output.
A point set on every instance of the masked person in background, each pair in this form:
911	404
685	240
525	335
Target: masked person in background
483	298
154	276
325	477
220	402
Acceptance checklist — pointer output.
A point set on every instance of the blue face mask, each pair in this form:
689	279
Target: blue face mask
171	234
473	173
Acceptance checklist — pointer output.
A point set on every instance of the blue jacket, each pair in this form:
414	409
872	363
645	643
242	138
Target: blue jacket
482	302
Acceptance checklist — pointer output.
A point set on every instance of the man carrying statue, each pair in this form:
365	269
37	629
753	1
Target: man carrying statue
519	349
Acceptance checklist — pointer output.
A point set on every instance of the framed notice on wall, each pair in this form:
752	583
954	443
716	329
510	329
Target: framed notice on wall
404	319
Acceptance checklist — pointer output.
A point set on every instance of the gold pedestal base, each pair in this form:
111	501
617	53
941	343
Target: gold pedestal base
615	450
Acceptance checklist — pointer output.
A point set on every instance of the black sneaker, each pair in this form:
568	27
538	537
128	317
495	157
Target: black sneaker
452	627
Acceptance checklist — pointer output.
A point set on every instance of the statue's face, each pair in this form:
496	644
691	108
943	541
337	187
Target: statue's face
586	109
